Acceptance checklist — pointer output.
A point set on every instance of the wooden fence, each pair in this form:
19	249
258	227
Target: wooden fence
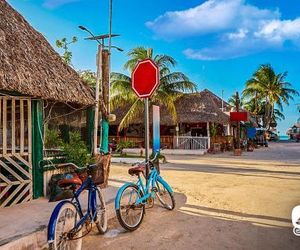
15	150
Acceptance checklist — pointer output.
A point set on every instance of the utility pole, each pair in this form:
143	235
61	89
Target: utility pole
105	96
97	98
103	72
222	100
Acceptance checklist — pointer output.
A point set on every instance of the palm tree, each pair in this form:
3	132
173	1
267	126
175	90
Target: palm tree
233	101
172	85
269	89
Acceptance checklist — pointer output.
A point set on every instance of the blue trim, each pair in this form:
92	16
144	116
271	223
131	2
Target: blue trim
53	218
93	205
120	191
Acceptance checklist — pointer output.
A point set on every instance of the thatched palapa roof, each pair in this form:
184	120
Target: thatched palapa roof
218	100
30	66
196	107
191	108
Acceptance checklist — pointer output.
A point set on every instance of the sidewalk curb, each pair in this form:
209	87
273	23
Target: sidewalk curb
38	238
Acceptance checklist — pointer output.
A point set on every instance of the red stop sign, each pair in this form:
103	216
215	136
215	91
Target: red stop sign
145	78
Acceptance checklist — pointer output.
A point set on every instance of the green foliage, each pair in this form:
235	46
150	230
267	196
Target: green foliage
213	130
124	144
76	151
233	101
64	44
266	91
89	77
52	138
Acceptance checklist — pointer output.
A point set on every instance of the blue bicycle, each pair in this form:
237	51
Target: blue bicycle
67	222
132	198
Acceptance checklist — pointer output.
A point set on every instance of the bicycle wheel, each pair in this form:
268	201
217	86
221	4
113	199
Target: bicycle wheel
164	196
130	215
66	220
101	219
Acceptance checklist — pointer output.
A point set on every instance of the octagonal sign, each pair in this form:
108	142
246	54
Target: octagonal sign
145	78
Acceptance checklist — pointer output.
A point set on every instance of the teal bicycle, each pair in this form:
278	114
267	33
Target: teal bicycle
132	198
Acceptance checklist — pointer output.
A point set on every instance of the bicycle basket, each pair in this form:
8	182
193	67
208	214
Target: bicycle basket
97	173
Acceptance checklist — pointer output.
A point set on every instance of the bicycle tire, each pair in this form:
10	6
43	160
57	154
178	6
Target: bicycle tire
165	191
119	213
101	222
74	244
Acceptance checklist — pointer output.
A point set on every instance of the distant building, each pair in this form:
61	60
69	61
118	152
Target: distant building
197	114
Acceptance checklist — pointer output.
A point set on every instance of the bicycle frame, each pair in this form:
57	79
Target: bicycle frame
146	188
91	209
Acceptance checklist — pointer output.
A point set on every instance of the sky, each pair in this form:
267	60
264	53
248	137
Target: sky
218	44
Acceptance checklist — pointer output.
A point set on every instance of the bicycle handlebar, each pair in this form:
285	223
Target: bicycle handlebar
69	164
150	160
155	157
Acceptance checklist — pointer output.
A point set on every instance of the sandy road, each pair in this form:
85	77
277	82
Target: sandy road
223	202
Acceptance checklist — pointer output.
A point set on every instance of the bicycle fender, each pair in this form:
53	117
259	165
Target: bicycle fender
120	191
53	218
164	183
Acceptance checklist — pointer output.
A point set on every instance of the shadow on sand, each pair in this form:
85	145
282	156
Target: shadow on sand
192	227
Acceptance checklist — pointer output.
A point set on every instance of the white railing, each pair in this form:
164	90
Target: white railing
191	142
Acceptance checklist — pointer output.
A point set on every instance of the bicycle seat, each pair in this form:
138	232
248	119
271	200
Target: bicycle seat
70	181
136	170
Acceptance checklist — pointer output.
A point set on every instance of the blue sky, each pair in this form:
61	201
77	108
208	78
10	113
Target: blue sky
217	43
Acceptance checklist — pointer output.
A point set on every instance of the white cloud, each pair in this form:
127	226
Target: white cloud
235	27
51	4
278	31
209	17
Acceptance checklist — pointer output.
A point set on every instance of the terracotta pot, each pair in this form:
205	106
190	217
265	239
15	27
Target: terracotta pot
237	152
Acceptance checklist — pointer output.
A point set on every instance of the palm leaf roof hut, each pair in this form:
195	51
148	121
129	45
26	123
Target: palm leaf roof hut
33	80
195	113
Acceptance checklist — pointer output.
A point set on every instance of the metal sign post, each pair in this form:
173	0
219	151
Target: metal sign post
147	133
145	80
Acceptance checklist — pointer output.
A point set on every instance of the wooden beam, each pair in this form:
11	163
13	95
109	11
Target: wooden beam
13	126
4	140
21	127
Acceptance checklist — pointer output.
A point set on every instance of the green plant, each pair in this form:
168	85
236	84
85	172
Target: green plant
88	76
64	44
76	151
52	138
213	130
124	144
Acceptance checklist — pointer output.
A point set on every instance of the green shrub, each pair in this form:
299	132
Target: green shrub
52	138
76	151
124	144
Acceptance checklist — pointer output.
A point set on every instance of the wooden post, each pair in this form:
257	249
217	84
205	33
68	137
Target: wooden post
37	147
238	122
208	135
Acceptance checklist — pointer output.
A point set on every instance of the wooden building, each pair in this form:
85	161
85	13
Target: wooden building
197	115
35	85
